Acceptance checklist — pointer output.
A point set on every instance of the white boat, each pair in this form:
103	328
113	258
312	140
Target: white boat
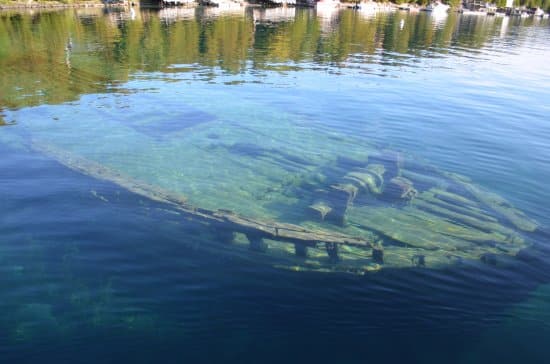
224	4
473	12
437	8
539	13
178	2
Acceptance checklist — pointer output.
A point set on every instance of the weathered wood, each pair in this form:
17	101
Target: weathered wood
339	197
498	205
474	222
378	255
425	181
333	252
418	260
366	180
220	219
431	197
320	209
400	188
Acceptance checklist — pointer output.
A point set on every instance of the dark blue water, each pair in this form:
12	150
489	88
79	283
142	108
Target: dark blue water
91	272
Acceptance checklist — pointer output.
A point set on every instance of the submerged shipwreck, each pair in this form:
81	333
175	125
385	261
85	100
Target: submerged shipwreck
297	197
353	215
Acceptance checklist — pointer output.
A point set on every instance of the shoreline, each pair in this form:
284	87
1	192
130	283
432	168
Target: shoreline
100	4
364	6
59	5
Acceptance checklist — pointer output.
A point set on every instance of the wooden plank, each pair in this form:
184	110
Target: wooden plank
498	205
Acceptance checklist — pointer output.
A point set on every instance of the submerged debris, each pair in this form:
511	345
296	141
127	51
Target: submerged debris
400	188
351	215
254	229
498	204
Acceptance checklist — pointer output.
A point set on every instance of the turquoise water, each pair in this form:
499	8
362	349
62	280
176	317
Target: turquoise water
245	111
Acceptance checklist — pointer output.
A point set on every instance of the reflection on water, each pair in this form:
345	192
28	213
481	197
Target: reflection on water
273	15
108	48
230	108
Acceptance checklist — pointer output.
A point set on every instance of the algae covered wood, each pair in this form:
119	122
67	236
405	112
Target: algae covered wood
435	197
498	204
269	229
475	222
364	217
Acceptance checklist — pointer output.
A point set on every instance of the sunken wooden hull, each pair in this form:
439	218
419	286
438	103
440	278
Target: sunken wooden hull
363	215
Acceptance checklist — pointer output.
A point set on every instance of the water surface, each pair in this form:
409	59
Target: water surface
184	99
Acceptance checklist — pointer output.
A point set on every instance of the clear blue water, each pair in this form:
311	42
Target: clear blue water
91	272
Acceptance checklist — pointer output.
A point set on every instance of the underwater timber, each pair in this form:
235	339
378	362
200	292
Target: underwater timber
367	215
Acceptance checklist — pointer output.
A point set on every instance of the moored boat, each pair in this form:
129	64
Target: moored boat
539	13
437	8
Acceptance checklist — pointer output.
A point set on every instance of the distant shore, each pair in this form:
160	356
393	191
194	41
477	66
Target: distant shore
368	6
99	3
55	4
